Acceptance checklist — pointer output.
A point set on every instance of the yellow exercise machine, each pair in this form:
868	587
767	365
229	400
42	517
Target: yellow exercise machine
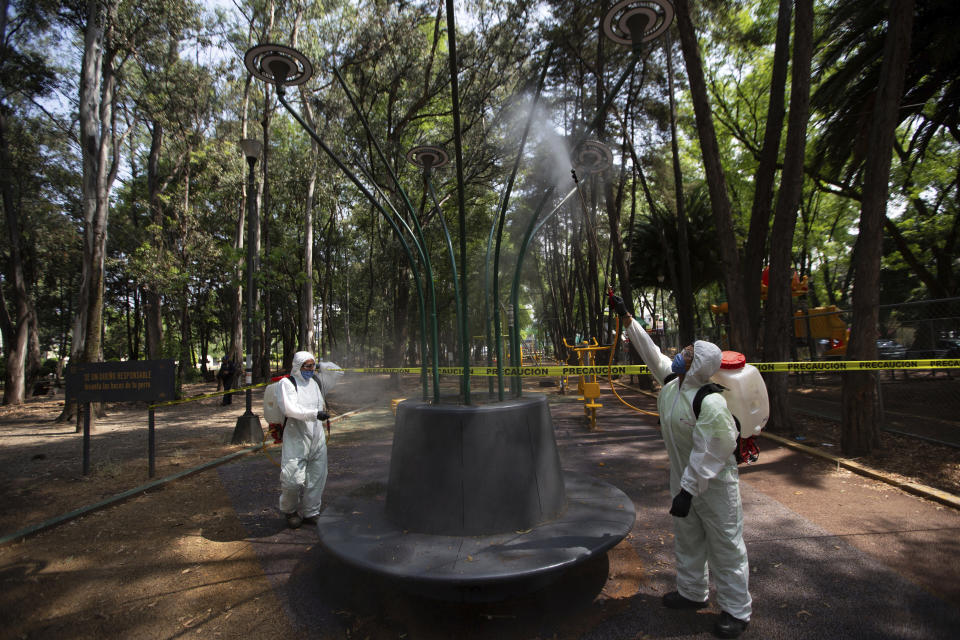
587	385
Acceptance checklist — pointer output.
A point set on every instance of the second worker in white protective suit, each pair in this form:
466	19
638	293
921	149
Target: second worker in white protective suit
705	483
303	460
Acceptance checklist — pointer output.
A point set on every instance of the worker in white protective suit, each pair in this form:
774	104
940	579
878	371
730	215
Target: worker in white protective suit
303	460
708	514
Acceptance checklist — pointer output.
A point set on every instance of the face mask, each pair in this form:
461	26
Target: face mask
307	375
679	365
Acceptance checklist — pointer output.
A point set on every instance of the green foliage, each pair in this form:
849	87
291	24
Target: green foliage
849	59
182	79
654	246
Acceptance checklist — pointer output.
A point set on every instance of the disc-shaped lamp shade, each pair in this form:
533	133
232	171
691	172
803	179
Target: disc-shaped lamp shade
630	21
592	157
251	148
428	157
278	64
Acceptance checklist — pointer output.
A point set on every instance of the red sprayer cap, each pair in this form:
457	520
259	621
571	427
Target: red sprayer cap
732	360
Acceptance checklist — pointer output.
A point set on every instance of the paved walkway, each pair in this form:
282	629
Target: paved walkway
832	554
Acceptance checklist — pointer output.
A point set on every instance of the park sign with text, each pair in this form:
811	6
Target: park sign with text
149	380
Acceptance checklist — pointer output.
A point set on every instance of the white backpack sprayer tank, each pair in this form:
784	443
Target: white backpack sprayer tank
746	393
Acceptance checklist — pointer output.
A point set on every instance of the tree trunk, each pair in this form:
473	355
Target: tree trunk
96	195
371	279
684	291
779	317
235	349
235	292
401	318
203	331
185	354
15	330
347	354
97	123
153	311
859	433
620	266
89	145
306	298
326	277
133	319
306	295
716	182
764	179
262	311
34	356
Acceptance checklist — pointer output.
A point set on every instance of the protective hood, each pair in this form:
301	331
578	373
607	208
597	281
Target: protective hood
301	357
706	362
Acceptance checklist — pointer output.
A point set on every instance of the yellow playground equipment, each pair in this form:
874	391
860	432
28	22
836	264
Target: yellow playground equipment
588	385
819	323
824	323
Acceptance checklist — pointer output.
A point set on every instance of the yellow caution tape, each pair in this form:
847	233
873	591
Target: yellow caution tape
603	370
828	366
204	396
858	365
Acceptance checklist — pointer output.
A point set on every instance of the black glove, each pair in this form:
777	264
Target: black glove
681	504
616	303
323	416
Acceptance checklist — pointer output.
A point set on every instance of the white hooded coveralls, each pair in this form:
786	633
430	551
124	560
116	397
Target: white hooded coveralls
702	462
303	459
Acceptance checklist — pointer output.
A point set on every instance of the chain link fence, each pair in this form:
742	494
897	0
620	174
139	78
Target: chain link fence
923	403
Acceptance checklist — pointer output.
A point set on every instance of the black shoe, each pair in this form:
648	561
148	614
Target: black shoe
310	520
729	627
674	600
293	520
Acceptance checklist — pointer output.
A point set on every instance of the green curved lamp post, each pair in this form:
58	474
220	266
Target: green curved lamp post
629	22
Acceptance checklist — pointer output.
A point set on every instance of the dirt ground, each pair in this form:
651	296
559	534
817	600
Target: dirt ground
158	565
927	405
173	561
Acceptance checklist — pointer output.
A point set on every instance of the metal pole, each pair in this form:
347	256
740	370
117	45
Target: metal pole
487	318
86	438
453	260
248	427
151	442
253	223
458	146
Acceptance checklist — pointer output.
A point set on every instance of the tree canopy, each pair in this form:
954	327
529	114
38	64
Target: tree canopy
125	194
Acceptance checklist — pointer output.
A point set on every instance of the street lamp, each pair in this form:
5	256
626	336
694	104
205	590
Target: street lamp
634	22
248	428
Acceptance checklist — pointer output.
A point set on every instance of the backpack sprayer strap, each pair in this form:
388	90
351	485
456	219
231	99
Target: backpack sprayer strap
746	451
